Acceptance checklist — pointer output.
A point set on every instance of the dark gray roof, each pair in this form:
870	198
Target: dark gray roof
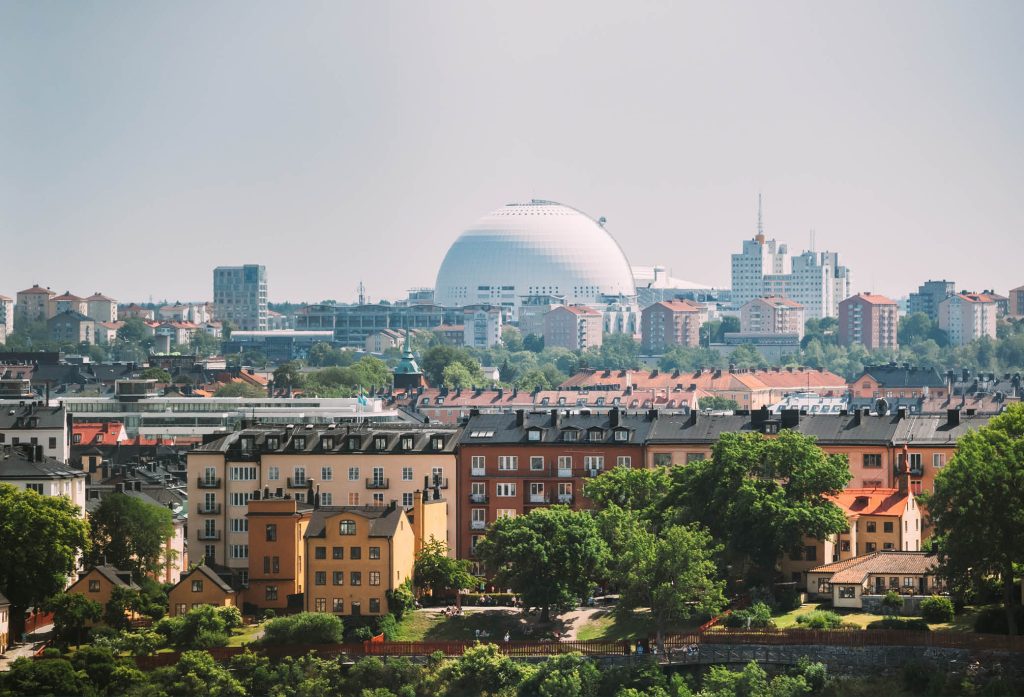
22	418
16	463
346	439
210	574
937	430
501	429
383	521
893	375
70	314
114	575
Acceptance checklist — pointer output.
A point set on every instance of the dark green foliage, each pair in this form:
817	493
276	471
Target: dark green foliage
130	534
123	601
48	677
892	603
480	672
388	626
815	673
304	628
907	623
820	619
201	628
401	600
937	609
992	620
72	612
567	675
757	616
396	675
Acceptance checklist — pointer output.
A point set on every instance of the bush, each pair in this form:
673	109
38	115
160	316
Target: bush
815	673
304	628
361	634
821	619
757	616
937	609
892	603
232	617
401	600
388	626
503	599
906	623
787	600
992	620
269	614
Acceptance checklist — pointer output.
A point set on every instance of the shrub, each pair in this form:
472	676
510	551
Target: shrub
388	626
269	614
361	634
909	623
304	628
787	600
892	603
232	617
504	599
815	673
937	609
992	620
757	616
821	619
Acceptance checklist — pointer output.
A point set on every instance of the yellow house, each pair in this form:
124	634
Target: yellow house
99	582
277	527
861	582
200	586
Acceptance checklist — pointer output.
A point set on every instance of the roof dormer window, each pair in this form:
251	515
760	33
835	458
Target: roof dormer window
569	436
380	442
533	434
327	442
621	435
300	442
353	443
595	434
407	442
437	442
272	443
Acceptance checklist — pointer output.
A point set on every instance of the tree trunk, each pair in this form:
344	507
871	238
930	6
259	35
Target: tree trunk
1009	593
545	614
659	639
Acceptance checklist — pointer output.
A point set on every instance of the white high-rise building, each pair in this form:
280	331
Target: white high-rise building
240	296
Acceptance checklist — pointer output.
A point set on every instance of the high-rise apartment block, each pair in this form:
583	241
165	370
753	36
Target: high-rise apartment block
6	317
870	320
928	296
672	323
760	257
772	315
967	316
575	327
240	296
33	304
1017	302
481	326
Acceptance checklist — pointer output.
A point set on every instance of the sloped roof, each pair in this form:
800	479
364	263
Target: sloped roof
205	570
871	298
893	375
383	521
857	569
881	501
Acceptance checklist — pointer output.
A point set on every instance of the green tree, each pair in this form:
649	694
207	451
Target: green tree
550	556
123	601
130	534
758	497
72	613
196	674
204	344
719	404
288	375
158	374
565	675
640	490
240	389
304	628
482	671
134	331
458	375
45	678
43	537
532	342
977	507
437	358
746	356
672	573
439	573
892	603
511	338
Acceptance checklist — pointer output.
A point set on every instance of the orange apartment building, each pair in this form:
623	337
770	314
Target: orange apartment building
870	320
772	315
671	323
277	528
574	327
894	381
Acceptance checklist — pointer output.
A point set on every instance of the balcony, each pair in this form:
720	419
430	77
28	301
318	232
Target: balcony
478	472
478	498
538	498
565	498
294	483
478	525
378	483
565	471
206	483
209	535
208	509
441	483
473	553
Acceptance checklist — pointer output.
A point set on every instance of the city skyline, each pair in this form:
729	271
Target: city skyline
308	141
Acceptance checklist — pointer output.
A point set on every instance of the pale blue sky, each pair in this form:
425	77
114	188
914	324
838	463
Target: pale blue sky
144	143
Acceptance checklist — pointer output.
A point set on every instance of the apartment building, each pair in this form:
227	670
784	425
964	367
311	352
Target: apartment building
574	327
26	467
35	424
1016	302
870	320
33	304
349	466
240	296
6	317
277	529
928	296
896	382
772	315
481	326
72	327
671	323
759	257
510	464
967	316
101	308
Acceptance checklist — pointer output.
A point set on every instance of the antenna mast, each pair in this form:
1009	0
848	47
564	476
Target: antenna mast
760	220
362	293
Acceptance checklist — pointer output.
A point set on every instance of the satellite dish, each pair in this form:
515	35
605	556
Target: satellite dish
602	220
881	407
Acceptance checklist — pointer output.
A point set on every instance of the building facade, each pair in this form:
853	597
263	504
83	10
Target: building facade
870	320
33	305
573	327
101	308
240	296
772	315
967	316
671	323
72	326
928	296
481	326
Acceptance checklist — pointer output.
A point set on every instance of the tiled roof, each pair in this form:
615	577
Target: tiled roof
678	306
72	314
709	380
363	437
578	310
210	574
114	575
68	297
777	300
893	375
16	464
36	290
869	298
501	429
100	296
857	569
110	432
383	521
885	502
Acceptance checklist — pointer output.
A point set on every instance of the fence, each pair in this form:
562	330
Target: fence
851	637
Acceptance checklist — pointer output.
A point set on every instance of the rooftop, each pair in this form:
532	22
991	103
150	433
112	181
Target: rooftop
857	569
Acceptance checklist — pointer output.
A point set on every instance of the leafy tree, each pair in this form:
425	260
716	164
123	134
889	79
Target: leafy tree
686	358
760	496
672	573
204	344
123	602
439	573
549	556
43	537
304	628
640	490
458	375
288	375
437	358
482	671
892	603
200	628
196	674
130	534
937	608
719	404
977	507
532	342
396	675
240	389
134	331
45	678
511	338
72	613
566	675
158	374
746	356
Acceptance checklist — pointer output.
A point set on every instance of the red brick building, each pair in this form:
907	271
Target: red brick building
671	323
870	320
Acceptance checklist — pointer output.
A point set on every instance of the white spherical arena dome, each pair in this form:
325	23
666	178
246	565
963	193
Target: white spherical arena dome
535	248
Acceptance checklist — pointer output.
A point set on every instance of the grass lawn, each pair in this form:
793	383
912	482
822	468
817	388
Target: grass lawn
433	626
244	635
605	625
962	623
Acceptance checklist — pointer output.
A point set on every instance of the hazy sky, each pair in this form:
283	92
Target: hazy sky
144	143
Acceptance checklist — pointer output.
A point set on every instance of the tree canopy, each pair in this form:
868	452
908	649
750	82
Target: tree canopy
130	533
437	572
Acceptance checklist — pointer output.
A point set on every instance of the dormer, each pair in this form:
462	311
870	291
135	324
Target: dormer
621	435
407	442
595	434
247	444
299	442
327	442
570	434
352	443
380	443
437	442
273	442
534	434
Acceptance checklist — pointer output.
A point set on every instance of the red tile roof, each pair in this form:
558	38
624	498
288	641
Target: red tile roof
681	305
711	380
871	298
885	502
36	289
857	569
109	433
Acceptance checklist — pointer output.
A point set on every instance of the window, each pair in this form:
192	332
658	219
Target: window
872	460
478	464
693	457
353	498
887	527
326	498
180	608
871	526
300	442
536	462
506	513
338	578
240	498
76	438
197	586
271	532
94	585
320	604
239	551
915	461
505	489
938	460
437	442
533	434
270	593
242	474
565	462
887	545
378	499
375	605
347	527
593	462
355	578
339	605
407	474
53	443
508	462
569	436
273	473
353	474
355	553
327	442
320	578
908	582
326	474
272	443
320	553
847	591
407	500
299	476
663	459
844	546
374	552
38	488
337	552
209	553
621	435
266	565
595	435
374	578
811	553
239	525
623	461
380	442
870	547
407	442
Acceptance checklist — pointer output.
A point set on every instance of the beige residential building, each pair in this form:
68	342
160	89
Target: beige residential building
33	304
355	465
671	323
967	316
67	302
574	327
6	317
101	308
869	320
772	315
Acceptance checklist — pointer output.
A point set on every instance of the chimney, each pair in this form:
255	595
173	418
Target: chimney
615	417
554	418
520	418
901	413
790	418
952	417
652	414
903	475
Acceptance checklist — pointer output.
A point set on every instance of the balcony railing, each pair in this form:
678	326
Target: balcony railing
478	498
208	509
565	471
205	483
478	472
294	483
478	525
208	535
538	498
565	498
378	483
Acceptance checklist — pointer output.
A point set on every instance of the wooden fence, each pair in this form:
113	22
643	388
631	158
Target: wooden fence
851	637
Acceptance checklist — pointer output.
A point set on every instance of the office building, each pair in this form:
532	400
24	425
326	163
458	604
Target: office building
240	296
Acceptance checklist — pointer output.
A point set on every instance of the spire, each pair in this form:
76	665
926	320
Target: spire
760	220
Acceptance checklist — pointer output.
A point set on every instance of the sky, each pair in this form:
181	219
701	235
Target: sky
144	143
